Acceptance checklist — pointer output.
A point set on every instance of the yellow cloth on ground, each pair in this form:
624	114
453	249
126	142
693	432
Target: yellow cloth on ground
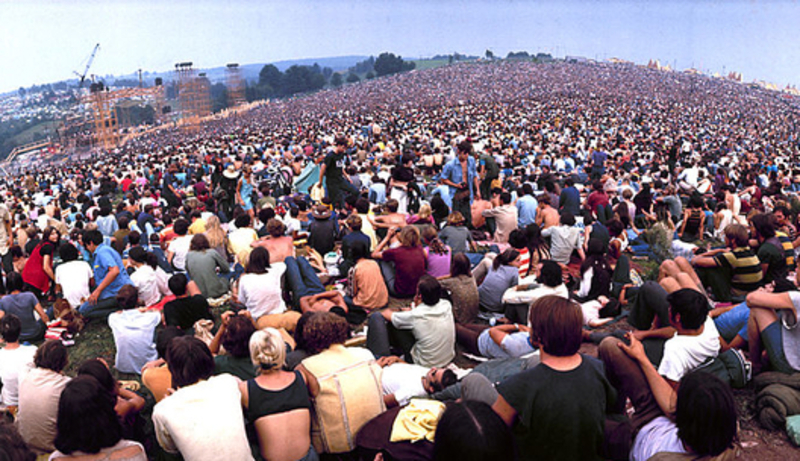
417	421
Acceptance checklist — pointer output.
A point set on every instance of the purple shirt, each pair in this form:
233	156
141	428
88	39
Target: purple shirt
438	265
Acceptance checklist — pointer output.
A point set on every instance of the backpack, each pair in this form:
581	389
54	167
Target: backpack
731	367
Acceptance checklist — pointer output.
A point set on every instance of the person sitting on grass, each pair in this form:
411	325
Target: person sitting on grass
39	393
431	339
276	402
189	305
127	404
772	327
562	400
182	421
234	336
88	425
15	360
696	415
409	261
134	331
73	276
109	274
731	273
25	306
156	376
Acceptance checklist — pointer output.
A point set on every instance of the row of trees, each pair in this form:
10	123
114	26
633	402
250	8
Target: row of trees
522	55
272	83
384	64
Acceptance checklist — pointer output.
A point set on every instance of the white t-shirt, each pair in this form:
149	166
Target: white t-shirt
591	310
659	435
203	421
74	279
14	365
292	224
134	332
683	354
180	246
513	296
404	380
261	293
146	282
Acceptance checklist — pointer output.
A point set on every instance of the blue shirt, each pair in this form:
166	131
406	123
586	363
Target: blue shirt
452	170
377	193
105	258
526	210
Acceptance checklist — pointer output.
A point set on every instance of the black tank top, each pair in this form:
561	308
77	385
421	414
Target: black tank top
265	402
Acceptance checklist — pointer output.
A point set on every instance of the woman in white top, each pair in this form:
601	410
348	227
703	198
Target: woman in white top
149	279
260	286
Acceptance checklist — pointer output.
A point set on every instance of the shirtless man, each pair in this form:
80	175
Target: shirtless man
323	302
391	219
277	244
478	207
546	216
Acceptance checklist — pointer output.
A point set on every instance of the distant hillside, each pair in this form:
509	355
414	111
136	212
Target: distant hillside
250	71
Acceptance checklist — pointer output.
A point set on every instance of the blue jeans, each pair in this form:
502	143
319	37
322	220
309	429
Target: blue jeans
772	337
382	335
101	310
301	279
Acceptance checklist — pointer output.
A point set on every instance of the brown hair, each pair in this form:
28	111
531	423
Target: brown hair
455	219
199	243
556	325
323	330
275	228
409	237
51	355
354	222
737	234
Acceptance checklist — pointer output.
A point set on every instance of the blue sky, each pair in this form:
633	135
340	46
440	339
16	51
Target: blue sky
45	41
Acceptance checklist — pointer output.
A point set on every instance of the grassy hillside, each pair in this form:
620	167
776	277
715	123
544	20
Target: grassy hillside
423	64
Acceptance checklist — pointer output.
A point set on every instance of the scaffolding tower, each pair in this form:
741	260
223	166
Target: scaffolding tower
105	127
104	116
193	94
185	76
203	95
236	91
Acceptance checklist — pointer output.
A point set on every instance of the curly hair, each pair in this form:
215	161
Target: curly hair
323	330
237	335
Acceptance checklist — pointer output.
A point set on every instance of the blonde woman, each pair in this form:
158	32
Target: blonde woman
216	236
276	402
422	217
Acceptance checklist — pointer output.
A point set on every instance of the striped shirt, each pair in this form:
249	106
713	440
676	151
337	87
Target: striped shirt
745	269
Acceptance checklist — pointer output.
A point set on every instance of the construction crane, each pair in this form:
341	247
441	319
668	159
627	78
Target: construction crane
88	64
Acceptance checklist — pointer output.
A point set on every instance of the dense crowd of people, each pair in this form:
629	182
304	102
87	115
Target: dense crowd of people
311	278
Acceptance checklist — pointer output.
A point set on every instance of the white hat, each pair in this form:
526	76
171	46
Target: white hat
230	172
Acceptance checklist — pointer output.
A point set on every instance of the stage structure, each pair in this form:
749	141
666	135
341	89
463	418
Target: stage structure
194	94
100	127
235	83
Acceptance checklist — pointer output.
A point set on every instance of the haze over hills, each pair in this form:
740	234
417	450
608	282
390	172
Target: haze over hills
217	74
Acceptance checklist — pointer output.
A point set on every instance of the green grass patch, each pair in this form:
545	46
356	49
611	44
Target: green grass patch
423	64
36	133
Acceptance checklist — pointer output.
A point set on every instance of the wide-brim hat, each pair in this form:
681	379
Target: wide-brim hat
321	212
230	172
